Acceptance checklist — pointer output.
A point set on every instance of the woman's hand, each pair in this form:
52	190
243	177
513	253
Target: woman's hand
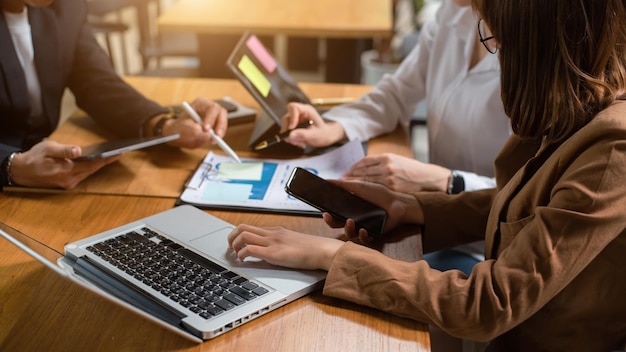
279	246
50	165
399	173
320	134
401	208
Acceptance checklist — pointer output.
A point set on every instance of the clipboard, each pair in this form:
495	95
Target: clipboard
258	185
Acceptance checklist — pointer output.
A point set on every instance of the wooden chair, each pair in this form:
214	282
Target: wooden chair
108	29
153	46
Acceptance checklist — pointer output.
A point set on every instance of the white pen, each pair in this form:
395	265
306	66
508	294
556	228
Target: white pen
220	142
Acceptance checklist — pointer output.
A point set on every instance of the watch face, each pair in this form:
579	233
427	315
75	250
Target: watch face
457	183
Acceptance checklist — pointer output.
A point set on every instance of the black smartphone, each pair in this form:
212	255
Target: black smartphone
230	107
336	201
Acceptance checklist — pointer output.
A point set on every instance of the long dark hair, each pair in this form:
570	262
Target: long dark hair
562	61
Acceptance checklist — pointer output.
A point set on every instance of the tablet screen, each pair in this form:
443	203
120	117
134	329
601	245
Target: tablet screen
264	78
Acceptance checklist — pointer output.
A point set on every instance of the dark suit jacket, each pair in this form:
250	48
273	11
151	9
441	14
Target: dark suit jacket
66	56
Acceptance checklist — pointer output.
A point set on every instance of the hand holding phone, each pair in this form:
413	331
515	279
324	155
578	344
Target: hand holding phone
336	201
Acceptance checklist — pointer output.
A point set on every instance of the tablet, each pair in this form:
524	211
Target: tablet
269	83
111	148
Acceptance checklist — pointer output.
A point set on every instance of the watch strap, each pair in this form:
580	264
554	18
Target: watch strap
457	183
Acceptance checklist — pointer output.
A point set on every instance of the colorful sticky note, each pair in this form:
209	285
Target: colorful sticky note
264	57
254	75
249	171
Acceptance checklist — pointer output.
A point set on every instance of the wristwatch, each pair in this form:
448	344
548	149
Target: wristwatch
457	183
172	113
157	131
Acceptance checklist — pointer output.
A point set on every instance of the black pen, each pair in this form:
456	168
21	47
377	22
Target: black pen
279	137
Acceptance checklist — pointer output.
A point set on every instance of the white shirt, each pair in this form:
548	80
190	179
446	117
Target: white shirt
466	122
466	125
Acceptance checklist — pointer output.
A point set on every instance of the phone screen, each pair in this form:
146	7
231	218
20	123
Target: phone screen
335	200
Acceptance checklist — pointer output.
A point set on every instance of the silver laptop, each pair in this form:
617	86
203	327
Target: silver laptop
175	268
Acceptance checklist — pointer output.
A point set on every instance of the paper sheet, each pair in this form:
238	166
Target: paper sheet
260	183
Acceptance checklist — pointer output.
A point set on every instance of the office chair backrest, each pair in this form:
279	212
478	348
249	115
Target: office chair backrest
152	44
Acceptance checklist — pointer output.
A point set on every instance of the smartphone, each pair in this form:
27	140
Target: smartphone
230	107
336	201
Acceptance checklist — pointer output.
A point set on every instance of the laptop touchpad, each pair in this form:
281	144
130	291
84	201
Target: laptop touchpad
215	245
286	280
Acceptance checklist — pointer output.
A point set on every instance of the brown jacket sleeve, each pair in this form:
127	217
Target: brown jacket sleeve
558	240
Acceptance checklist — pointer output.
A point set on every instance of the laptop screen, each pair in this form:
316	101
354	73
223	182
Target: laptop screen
264	78
40	251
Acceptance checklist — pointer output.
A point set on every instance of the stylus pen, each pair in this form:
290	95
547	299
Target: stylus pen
220	142
279	137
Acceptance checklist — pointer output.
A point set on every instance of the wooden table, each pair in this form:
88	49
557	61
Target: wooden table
219	25
36	312
321	18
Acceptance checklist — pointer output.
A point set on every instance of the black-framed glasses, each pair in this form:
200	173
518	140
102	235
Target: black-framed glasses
485	36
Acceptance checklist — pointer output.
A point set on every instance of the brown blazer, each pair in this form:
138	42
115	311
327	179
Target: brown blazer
555	274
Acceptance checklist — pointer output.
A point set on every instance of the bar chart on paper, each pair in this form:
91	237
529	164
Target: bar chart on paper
259	184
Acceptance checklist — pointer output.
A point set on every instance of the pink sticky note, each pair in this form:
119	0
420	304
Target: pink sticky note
264	57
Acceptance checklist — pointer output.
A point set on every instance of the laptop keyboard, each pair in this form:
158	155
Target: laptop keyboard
196	283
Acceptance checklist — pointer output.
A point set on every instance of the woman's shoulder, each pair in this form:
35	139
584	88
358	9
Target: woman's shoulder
607	128
614	116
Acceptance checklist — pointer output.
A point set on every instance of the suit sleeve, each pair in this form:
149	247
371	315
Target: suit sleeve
101	93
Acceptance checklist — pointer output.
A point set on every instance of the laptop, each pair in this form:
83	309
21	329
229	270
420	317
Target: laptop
270	85
196	287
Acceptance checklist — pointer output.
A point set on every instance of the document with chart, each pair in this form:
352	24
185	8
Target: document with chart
259	184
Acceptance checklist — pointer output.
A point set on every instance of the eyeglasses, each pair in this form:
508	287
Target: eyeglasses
485	36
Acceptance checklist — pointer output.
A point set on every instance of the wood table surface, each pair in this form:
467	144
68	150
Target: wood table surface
40	311
321	18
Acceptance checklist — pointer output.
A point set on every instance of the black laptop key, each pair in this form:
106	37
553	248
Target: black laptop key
125	239
202	293
260	291
174	246
240	280
101	246
214	310
224	304
137	237
243	293
230	275
249	285
234	298
212	298
203	262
